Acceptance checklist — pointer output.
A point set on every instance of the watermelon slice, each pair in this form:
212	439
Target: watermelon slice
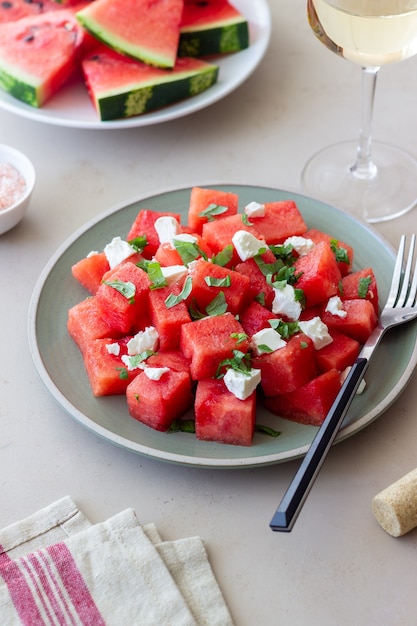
212	27
38	54
12	10
147	31
121	87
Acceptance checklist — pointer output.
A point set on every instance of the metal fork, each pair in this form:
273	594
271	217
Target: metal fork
400	307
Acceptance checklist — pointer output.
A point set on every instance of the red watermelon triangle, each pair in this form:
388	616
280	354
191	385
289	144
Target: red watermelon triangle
146	30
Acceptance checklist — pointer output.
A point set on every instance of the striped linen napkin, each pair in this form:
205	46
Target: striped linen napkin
58	569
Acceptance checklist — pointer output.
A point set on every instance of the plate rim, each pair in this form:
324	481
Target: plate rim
177	458
168	113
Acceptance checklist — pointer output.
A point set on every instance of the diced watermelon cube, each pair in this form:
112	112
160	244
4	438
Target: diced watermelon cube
125	312
355	284
282	219
288	368
144	225
255	317
157	403
310	403
210	340
259	287
167	254
174	359
317	236
339	354
87	320
320	274
167	321
106	371
359	322
90	270
221	417
219	234
201	199
234	285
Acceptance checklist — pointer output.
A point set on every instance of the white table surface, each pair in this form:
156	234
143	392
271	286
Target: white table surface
337	566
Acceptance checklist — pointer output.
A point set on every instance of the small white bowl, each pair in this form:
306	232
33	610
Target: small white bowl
12	215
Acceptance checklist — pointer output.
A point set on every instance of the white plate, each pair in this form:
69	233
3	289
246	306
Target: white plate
60	366
72	107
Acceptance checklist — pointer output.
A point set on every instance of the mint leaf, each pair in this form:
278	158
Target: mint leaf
212	210
223	257
173	300
218	305
363	286
127	289
212	281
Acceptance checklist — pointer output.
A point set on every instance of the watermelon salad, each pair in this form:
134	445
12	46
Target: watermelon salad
240	306
134	56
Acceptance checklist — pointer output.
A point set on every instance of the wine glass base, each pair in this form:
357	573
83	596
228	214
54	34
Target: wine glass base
392	192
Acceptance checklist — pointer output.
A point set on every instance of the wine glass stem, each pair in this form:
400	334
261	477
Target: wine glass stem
364	168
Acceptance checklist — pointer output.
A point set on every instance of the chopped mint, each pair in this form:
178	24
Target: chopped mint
212	281
223	257
267	430
218	305
246	220
156	276
240	362
183	426
127	289
212	211
138	243
240	337
123	373
363	286
188	251
173	300
340	253
285	329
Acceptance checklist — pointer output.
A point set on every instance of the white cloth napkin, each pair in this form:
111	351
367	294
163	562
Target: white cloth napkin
56	568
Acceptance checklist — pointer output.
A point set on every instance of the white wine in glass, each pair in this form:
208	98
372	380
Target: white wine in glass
375	181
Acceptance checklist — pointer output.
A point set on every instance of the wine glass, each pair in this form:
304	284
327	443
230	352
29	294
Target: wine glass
375	181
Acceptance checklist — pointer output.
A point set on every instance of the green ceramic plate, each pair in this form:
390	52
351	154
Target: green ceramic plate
60	365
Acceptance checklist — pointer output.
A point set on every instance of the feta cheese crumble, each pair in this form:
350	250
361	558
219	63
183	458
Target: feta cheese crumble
247	245
113	348
147	339
254	209
155	373
335	307
284	303
267	340
174	273
167	227
241	384
317	331
117	251
301	245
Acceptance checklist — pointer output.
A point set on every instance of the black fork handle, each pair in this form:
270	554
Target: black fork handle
296	494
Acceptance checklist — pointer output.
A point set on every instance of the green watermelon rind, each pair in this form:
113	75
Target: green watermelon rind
119	44
223	37
20	84
137	99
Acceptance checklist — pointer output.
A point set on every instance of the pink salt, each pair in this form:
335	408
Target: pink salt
12	185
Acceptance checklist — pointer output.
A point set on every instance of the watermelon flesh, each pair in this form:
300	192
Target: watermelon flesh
145	30
121	87
12	10
38	54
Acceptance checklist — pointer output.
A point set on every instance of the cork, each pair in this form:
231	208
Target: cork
395	508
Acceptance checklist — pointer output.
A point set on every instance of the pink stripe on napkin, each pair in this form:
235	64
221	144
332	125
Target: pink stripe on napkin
47	588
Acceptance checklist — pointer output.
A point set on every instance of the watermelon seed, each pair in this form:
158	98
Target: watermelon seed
7	5
29	38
